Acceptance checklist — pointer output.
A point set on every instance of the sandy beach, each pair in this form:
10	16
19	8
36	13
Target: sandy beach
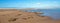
17	16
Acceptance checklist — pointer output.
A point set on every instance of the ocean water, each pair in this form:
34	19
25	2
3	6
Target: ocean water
54	13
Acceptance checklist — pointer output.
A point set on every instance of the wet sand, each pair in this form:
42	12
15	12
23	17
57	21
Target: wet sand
17	16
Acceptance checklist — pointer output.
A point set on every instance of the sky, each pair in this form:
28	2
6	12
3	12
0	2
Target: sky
43	4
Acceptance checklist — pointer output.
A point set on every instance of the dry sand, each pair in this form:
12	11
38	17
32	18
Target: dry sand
24	17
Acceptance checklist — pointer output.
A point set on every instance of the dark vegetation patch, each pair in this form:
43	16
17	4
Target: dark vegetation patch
24	18
27	18
3	15
42	16
12	19
18	15
30	17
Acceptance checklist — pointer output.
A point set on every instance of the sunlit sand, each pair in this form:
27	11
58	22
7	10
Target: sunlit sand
17	16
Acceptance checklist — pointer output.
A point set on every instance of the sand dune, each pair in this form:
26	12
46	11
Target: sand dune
24	17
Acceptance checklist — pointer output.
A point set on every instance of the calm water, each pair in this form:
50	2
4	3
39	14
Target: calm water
54	13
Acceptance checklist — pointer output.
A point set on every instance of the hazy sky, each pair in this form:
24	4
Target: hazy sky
30	3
